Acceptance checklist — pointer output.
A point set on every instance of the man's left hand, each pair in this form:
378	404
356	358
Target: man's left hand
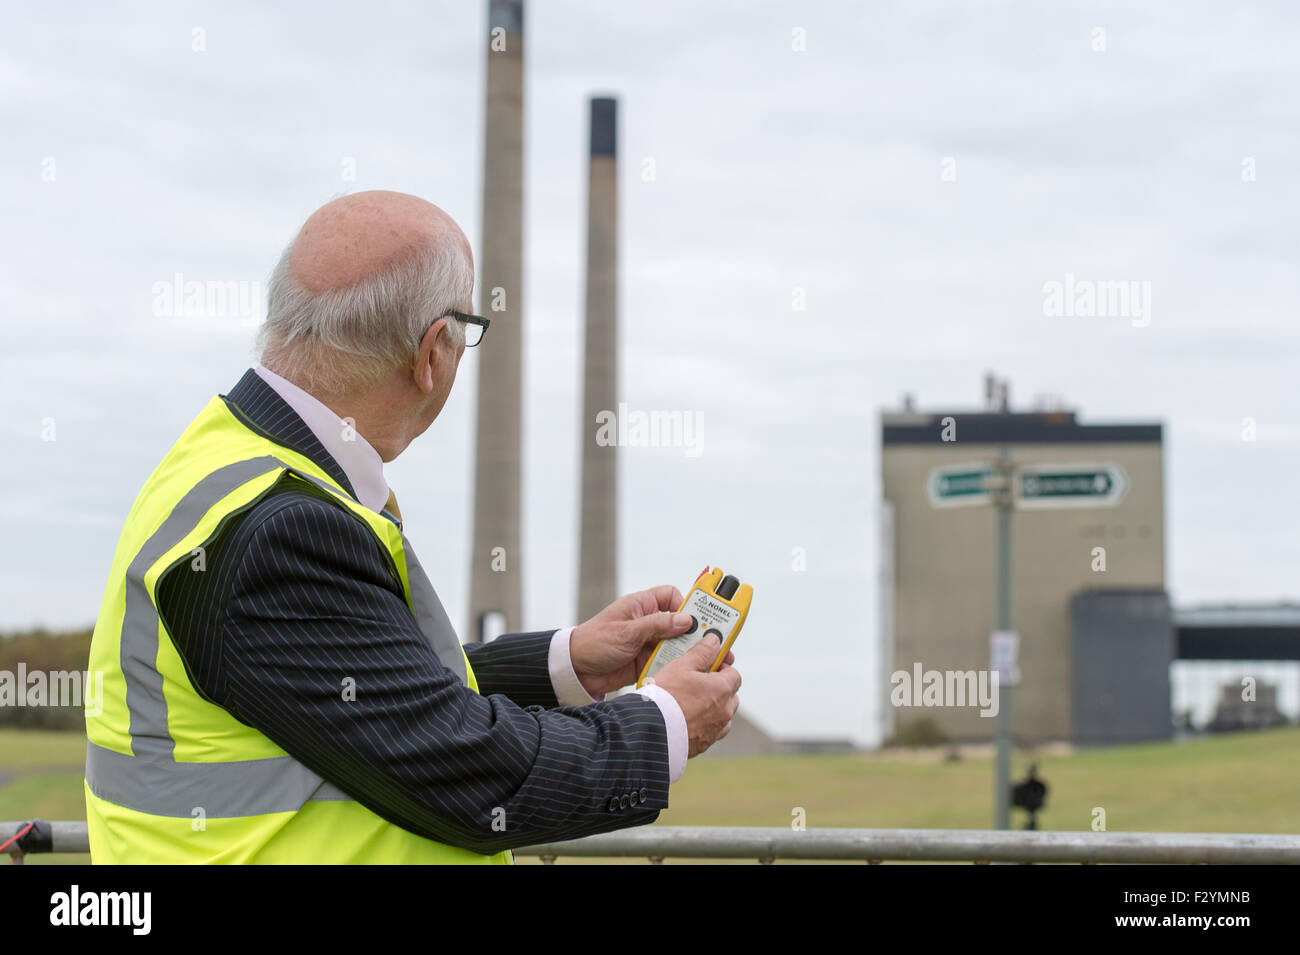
611	649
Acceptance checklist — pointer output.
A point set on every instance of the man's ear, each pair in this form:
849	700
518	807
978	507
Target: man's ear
430	357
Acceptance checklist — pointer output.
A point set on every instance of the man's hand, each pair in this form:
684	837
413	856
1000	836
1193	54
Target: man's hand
708	700
611	649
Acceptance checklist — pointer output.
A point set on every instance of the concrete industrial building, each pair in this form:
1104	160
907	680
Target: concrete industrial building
1122	644
938	570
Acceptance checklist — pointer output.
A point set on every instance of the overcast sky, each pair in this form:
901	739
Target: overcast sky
919	169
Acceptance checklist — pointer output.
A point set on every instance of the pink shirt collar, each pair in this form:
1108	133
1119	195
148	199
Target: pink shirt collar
359	461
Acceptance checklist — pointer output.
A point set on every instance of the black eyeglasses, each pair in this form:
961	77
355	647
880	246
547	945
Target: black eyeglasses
475	326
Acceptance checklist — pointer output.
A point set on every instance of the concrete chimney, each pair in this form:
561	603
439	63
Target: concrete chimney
598	557
496	562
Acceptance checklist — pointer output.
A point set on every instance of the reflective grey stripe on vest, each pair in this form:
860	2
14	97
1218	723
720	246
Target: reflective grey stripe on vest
247	787
139	647
152	780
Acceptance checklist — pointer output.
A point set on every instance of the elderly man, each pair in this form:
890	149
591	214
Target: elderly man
282	683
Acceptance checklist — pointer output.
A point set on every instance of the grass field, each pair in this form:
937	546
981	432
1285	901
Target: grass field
1242	782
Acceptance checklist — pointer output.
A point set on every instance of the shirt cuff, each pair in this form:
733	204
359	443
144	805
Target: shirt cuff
679	740
569	690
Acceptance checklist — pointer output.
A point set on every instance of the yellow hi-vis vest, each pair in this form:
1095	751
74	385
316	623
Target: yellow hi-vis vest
173	778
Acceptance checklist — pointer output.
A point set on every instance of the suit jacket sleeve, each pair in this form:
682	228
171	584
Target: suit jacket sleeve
516	664
308	609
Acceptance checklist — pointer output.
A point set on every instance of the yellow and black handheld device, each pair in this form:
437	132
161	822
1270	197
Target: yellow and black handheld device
719	603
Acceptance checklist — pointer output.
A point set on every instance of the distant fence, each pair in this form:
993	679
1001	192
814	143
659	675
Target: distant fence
657	843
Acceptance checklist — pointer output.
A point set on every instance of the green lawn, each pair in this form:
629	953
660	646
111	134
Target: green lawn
40	776
1243	782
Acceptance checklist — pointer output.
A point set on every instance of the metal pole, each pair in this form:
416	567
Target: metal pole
933	845
1005	501
914	845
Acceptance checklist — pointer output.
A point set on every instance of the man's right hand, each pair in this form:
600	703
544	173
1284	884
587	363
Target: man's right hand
707	700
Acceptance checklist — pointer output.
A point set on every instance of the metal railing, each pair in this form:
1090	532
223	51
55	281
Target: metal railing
46	837
766	845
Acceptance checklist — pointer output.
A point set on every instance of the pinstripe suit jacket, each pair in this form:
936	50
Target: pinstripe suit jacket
297	598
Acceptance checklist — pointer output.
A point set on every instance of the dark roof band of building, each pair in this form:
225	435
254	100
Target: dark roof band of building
1017	428
1238	643
1238	632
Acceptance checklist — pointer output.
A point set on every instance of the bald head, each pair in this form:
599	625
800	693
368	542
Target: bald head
355	294
353	238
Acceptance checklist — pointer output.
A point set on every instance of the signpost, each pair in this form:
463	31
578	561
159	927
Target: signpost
1009	488
1004	503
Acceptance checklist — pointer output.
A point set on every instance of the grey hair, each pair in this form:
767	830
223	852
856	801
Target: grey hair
338	340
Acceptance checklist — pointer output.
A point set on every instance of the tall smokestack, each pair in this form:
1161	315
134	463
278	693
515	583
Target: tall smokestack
496	561
598	566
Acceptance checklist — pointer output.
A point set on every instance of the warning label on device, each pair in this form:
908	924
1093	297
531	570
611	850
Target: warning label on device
715	619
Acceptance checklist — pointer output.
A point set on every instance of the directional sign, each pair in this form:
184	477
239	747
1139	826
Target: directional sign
961	484
1045	486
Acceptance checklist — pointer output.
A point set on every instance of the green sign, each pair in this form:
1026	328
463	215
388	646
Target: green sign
1070	485
1038	486
962	484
